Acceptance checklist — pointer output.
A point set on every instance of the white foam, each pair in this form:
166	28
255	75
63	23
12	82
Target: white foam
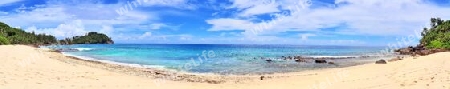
117	63
333	56
84	49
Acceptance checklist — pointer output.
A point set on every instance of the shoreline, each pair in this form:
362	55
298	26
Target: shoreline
336	62
173	75
211	78
55	70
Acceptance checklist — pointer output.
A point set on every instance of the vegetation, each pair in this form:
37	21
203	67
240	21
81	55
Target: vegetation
4	41
9	35
90	38
438	35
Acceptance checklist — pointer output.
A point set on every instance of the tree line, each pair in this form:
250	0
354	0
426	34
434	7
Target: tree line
9	35
438	35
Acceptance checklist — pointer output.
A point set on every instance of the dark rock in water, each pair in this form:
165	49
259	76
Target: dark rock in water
297	57
381	62
268	60
300	60
320	61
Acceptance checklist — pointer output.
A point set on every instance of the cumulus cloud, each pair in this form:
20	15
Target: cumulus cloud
65	20
145	35
349	17
69	29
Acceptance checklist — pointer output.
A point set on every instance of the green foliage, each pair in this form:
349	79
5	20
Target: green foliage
4	41
18	36
438	35
90	38
9	35
436	44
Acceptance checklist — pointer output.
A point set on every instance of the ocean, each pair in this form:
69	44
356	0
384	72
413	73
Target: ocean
224	58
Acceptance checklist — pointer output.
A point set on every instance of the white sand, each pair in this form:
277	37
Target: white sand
24	67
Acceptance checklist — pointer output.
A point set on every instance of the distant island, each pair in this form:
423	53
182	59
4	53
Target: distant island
9	35
89	38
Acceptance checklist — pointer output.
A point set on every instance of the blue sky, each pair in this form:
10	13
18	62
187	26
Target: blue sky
307	22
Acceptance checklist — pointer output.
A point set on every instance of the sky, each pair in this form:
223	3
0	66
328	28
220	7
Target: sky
305	22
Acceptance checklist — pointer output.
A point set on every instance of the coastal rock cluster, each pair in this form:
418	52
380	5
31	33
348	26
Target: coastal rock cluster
418	50
305	59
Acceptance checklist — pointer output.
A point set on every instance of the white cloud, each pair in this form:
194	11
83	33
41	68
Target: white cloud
254	7
145	35
355	17
3	2
260	9
45	16
157	26
66	20
69	29
182	4
229	24
306	35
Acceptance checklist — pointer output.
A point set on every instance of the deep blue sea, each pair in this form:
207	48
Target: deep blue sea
222	59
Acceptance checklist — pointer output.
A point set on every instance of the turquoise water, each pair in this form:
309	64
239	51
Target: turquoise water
222	59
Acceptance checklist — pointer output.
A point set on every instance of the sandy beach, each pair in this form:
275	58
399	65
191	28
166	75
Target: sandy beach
25	67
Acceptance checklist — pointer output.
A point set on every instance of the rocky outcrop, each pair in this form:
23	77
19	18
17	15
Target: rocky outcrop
405	51
423	52
418	50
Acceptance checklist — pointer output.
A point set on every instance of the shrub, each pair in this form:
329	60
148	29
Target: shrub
4	41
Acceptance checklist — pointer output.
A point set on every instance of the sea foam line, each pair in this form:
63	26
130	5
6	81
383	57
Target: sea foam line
117	63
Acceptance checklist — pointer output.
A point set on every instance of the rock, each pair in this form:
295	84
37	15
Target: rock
424	52
300	60
297	57
405	51
157	73
331	63
214	81
395	59
381	62
284	58
262	77
268	60
320	61
438	50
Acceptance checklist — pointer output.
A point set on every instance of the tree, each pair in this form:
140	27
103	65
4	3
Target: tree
90	38
18	36
438	35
